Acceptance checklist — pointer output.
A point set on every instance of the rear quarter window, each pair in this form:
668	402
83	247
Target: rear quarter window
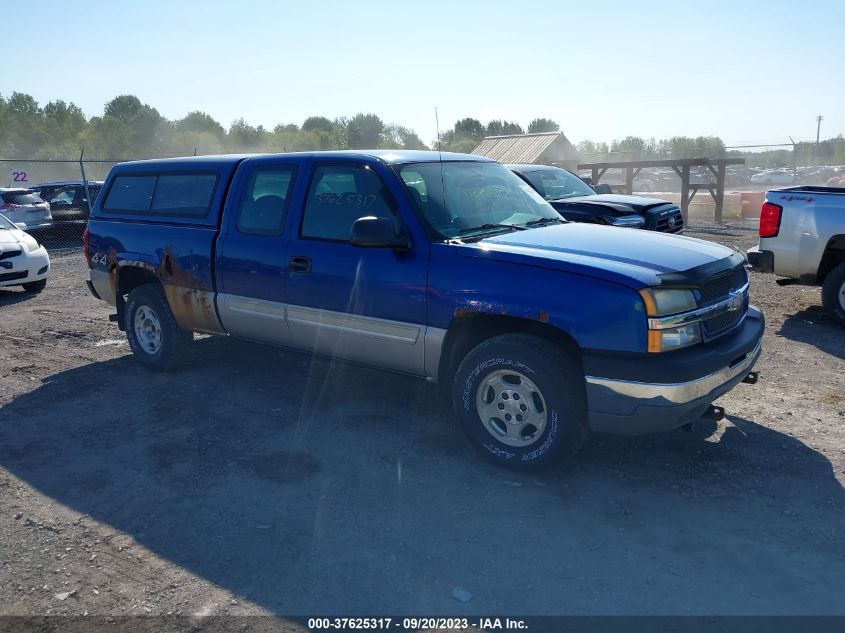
130	193
21	197
183	195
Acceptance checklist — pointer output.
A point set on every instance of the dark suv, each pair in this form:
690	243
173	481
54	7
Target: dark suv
577	201
68	200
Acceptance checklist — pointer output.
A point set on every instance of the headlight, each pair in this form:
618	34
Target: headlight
630	221
674	338
30	243
666	302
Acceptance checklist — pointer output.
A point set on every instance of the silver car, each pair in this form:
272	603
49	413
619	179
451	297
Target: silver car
24	206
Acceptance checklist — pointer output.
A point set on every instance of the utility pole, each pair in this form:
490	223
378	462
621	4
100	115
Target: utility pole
818	127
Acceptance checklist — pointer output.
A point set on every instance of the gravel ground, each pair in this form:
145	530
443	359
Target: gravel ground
264	481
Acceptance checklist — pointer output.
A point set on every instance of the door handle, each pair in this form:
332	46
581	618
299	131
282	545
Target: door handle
300	264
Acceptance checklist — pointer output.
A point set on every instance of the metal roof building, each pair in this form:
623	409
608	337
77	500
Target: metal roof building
547	148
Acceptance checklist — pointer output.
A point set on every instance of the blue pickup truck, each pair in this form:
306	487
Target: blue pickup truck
442	266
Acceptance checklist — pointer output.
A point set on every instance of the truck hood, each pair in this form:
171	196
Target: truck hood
633	258
624	205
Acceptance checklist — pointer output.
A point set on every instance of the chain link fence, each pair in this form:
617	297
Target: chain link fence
52	197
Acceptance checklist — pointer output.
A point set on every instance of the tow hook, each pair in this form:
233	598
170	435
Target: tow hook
714	413
751	378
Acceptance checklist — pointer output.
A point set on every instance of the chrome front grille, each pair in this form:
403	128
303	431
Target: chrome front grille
671	223
718	288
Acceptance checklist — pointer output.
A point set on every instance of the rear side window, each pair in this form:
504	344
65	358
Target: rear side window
21	197
130	193
265	201
183	194
164	194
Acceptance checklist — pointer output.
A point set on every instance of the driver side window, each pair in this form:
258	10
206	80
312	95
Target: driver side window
339	195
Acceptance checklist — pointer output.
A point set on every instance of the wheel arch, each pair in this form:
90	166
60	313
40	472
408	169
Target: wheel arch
465	332
127	279
833	255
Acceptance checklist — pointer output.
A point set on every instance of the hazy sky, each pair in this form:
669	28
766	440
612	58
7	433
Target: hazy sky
746	71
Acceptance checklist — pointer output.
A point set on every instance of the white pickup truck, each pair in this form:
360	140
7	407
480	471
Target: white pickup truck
802	237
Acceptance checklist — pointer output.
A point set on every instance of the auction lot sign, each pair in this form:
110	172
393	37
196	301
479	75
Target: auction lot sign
19	177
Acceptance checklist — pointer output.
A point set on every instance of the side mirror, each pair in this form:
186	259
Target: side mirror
20	225
373	232
603	188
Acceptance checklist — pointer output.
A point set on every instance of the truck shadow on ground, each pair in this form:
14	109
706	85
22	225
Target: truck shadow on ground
307	486
12	295
814	326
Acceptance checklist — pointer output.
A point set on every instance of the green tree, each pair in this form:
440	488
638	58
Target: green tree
503	128
396	136
318	123
633	148
63	123
593	151
470	128
142	119
199	122
109	137
542	125
244	137
25	124
364	131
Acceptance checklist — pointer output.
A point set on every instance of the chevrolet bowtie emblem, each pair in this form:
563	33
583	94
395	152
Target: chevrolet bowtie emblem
737	301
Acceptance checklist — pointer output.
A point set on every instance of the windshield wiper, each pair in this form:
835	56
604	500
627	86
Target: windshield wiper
490	227
544	222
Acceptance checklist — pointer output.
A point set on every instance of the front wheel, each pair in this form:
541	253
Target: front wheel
520	400
154	336
833	293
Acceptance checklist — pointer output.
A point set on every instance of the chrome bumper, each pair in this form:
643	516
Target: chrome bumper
632	408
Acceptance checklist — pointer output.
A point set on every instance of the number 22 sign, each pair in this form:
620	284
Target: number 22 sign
18	178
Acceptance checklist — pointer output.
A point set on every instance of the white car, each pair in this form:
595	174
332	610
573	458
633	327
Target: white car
23	261
773	177
25	205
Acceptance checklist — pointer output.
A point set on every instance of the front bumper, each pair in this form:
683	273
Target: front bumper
761	261
631	407
26	268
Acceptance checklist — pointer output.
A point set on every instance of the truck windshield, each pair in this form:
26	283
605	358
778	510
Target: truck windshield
466	199
5	224
557	184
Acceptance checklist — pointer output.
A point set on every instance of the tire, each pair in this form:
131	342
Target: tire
34	287
833	293
154	336
519	374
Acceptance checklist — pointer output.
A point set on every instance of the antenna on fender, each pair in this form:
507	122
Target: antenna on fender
440	158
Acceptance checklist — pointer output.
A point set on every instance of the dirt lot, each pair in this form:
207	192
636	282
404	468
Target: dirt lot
261	481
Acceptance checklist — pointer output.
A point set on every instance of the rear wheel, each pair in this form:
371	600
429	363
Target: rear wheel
154	336
35	286
833	293
520	401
